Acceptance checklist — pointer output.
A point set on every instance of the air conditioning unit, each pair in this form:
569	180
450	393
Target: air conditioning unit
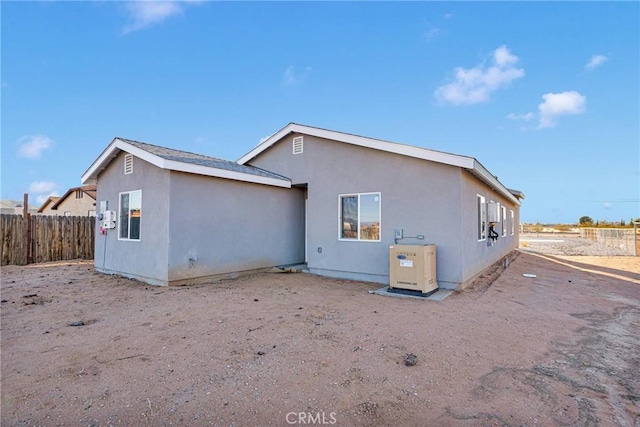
493	212
413	267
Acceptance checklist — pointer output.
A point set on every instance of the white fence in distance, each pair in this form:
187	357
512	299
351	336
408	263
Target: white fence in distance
624	239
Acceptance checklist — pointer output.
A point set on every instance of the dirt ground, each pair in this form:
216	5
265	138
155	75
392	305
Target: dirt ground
558	349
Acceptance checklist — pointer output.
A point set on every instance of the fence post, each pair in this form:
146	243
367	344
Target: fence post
25	228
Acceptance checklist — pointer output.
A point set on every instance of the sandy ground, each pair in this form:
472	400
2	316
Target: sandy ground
561	348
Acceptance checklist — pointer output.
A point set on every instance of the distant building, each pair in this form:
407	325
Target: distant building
46	208
14	207
77	201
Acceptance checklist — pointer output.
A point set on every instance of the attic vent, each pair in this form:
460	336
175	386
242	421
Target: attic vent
128	164
297	145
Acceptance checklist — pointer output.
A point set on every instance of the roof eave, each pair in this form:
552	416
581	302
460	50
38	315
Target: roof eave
90	176
485	176
117	145
226	174
378	144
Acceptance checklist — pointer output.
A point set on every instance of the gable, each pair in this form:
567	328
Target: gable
181	161
87	191
470	164
48	204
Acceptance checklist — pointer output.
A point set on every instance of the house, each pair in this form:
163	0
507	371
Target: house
45	208
14	207
332	200
77	201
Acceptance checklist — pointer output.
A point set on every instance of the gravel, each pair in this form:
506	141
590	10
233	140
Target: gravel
562	245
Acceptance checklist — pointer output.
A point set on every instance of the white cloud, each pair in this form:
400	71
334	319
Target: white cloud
606	205
596	61
560	104
145	13
526	117
32	146
291	77
431	33
475	85
40	199
41	187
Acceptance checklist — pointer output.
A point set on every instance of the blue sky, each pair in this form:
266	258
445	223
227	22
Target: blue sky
546	95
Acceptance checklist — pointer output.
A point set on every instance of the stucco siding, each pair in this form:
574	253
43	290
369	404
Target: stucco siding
145	259
75	206
478	255
219	226
418	196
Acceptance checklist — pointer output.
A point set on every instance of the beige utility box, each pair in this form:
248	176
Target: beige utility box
413	267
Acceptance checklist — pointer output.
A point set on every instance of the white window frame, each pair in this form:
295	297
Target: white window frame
128	238
481	210
340	222
504	220
513	223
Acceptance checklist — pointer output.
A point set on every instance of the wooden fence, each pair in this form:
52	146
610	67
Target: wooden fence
42	238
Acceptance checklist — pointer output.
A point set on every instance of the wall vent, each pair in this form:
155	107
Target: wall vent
297	145
128	164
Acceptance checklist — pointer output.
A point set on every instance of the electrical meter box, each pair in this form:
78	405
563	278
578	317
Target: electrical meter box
413	267
109	220
109	216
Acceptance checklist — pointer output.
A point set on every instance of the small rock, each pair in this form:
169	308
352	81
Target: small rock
261	353
410	360
255	300
77	323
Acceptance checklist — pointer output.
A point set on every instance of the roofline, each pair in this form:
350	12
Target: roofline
65	195
46	203
362	141
465	162
517	193
118	145
485	176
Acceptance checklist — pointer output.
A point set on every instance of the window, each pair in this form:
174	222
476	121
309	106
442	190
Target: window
67	213
360	217
513	224
128	164
79	194
130	215
298	145
504	221
91	213
482	218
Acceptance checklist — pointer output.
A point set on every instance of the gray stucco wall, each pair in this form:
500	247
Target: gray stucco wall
477	255
195	227
418	196
219	226
145	259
